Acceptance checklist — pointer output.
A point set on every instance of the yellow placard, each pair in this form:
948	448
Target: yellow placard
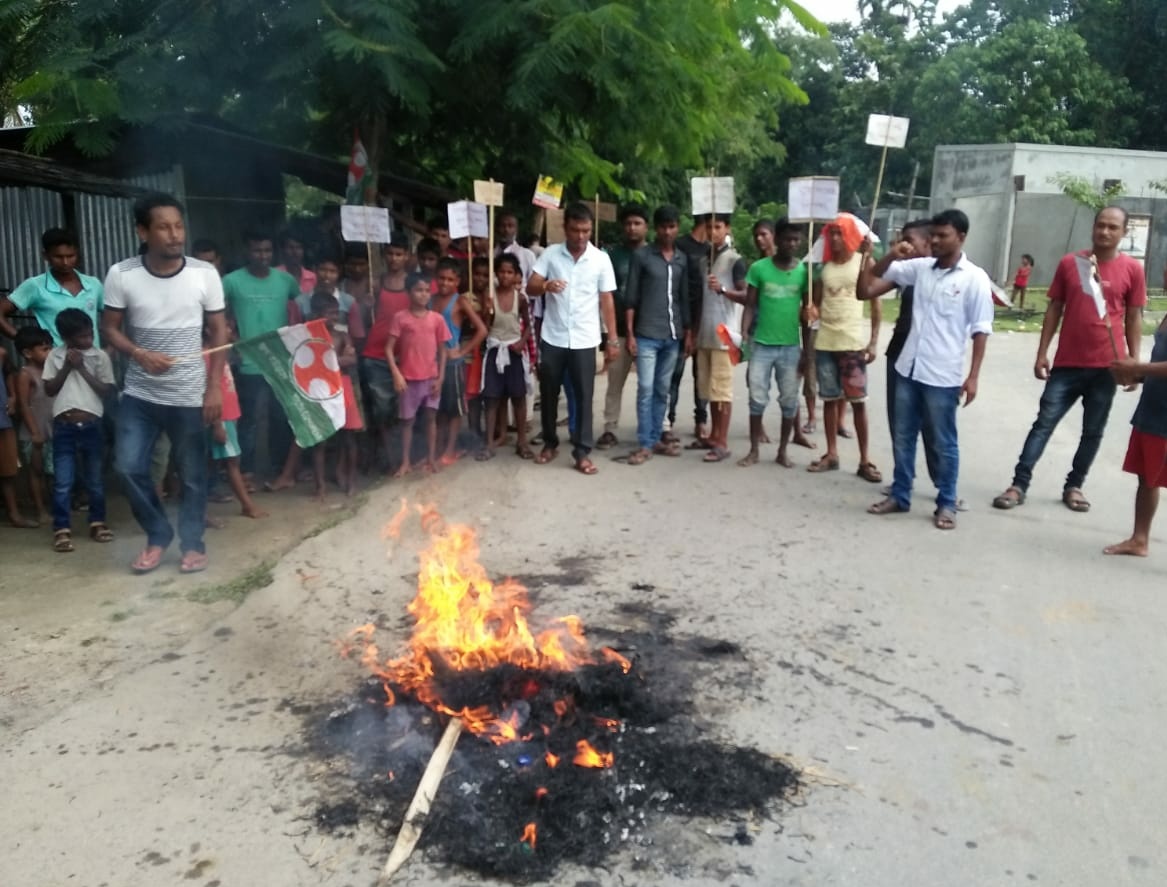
548	193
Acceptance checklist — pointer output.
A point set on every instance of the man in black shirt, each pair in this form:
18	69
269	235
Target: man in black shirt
634	222
695	245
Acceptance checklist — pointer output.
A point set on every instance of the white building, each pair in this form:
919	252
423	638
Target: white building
1015	205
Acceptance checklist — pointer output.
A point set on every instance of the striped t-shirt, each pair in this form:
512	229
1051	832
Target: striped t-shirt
165	314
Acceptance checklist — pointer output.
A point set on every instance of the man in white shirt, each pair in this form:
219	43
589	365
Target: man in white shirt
952	302
156	307
577	282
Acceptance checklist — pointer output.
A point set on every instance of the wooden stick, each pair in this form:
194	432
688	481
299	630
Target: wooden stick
198	355
419	807
879	182
373	293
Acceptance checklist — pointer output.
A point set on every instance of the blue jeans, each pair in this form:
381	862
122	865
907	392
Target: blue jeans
929	444
919	407
779	362
139	424
254	390
77	449
655	361
1096	387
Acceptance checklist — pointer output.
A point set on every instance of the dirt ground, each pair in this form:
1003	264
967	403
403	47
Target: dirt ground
976	707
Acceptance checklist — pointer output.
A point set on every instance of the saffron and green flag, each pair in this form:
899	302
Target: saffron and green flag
301	366
360	175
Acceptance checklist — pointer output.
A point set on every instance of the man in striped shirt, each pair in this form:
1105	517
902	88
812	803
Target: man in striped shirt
156	305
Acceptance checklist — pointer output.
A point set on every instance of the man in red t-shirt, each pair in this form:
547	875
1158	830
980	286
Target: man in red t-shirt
1087	346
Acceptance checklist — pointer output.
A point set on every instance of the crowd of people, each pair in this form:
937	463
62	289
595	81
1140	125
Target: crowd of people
140	366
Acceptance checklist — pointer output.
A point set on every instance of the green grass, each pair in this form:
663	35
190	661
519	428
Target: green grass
1029	320
259	576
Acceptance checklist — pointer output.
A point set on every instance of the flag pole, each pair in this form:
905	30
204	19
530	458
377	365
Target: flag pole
879	178
490	251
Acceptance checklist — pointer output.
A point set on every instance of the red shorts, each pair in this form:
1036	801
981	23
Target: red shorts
1146	456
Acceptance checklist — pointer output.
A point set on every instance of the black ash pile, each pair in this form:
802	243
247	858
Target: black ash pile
602	753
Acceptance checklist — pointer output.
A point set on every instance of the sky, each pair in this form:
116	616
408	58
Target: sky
847	10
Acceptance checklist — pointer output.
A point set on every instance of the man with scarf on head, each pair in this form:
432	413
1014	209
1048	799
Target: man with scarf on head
843	349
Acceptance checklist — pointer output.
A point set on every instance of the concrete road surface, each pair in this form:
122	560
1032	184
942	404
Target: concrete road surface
975	707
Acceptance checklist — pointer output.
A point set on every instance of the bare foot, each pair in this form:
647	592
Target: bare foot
280	483
750	458
783	460
1129	546
431	467
403	470
801	440
253	512
765	438
450	458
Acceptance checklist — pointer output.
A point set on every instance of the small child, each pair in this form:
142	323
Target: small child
506	368
1146	454
1021	281
36	413
9	460
482	302
326	306
78	377
429	253
224	441
457	311
416	351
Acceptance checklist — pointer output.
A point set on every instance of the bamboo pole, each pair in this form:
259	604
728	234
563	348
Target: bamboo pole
423	799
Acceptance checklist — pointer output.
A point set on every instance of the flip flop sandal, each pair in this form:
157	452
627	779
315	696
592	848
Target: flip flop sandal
99	532
484	455
62	541
147	562
886	506
699	444
869	473
717	454
638	457
666	449
944	519
546	455
824	464
669	438
585	466
525	453
809	428
607	441
193	562
1075	501
1005	501
846	433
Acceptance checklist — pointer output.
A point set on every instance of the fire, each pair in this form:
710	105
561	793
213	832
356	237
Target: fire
529	834
586	756
552	760
466	622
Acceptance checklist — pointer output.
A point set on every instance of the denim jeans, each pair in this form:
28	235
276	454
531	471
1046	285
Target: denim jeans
777	362
929	444
919	407
655	361
254	391
700	407
139	424
77	450
1096	387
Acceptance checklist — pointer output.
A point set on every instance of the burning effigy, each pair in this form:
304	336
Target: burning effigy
571	750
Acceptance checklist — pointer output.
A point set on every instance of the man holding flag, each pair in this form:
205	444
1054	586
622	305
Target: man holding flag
1096	297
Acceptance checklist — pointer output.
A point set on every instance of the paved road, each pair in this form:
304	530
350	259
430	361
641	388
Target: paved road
976	707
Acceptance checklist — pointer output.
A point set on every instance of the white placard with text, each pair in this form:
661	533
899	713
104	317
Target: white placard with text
713	194
813	199
364	224
887	132
468	219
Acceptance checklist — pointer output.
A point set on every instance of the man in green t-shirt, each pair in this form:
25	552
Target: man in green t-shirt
257	297
776	289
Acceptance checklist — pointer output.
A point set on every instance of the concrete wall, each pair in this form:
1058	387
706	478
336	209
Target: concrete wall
1135	169
970	170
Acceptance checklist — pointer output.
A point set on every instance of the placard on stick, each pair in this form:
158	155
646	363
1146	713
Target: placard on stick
548	193
555	230
605	212
885	131
364	224
813	199
467	219
712	194
488	193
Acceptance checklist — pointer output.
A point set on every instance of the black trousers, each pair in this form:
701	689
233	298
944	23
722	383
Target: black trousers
579	366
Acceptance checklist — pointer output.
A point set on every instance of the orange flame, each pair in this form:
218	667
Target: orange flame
466	622
552	760
610	725
529	833
612	656
540	793
586	756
